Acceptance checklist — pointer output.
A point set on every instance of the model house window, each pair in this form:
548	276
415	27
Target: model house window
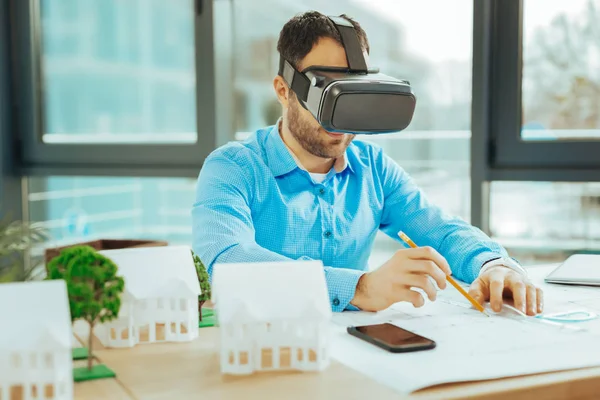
33	361
173	304
267	358
244	359
285	357
49	391
145	333
183	304
160	304
16	392
16	360
48	360
312	355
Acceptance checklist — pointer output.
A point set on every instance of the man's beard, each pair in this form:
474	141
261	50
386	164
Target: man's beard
312	137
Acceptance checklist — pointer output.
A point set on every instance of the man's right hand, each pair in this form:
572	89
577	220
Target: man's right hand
392	282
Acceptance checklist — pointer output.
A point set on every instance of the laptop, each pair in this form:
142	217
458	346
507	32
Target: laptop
578	269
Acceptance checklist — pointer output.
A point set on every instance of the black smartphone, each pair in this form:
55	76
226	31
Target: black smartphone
391	338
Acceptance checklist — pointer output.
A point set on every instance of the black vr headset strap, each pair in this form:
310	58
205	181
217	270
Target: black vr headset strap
354	53
297	81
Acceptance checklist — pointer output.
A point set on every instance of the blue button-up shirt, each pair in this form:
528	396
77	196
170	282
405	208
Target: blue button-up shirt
255	203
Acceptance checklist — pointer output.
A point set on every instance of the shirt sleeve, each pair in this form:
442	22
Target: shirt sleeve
223	231
406	208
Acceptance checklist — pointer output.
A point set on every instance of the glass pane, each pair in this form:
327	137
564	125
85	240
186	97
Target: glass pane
407	41
561	70
76	209
118	71
541	222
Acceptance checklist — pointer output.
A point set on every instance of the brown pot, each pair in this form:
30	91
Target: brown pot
106	244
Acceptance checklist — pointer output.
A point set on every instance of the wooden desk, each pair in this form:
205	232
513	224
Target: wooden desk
191	370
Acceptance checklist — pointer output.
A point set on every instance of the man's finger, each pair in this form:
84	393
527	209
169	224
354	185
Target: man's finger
540	300
421	282
479	291
429	268
531	300
519	291
496	289
429	253
415	298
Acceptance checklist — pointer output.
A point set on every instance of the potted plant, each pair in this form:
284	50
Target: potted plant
204	283
94	291
16	240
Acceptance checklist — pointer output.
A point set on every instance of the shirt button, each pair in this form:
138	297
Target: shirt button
322	191
336	302
327	234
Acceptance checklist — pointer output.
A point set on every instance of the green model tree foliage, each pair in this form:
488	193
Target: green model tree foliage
204	284
93	286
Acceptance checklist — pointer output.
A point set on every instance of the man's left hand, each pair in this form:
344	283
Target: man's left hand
499	282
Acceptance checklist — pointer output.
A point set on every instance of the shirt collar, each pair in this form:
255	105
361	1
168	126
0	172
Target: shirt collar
282	160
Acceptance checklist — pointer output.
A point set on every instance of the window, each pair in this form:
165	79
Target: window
110	80
561	60
435	148
543	101
183	304
160	331
144	333
160	304
49	360
545	222
76	209
16	360
118	71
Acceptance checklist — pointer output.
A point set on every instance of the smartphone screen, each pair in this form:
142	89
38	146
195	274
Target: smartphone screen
393	336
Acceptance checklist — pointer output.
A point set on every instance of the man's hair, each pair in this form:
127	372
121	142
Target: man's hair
302	32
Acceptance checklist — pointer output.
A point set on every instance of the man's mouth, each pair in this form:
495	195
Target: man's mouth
335	135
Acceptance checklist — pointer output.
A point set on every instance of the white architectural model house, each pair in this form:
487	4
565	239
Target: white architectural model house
272	316
35	341
160	301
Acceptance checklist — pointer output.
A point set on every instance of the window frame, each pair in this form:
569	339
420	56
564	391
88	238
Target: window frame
43	159
495	108
509	150
11	200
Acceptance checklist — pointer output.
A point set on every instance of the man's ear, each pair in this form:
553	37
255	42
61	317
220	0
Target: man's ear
282	91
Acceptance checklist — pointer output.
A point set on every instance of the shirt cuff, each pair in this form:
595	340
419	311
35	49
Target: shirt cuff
479	261
341	285
507	262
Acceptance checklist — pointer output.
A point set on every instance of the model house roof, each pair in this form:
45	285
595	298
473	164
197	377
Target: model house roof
156	271
34	315
270	291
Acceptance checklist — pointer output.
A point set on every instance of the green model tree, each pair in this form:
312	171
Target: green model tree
204	283
93	286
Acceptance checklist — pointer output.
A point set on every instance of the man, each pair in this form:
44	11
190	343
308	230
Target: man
296	191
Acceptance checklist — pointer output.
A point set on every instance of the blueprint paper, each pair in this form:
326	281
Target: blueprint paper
471	346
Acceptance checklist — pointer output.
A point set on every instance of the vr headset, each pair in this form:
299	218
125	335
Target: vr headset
356	99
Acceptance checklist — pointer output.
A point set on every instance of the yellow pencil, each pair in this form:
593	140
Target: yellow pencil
462	291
